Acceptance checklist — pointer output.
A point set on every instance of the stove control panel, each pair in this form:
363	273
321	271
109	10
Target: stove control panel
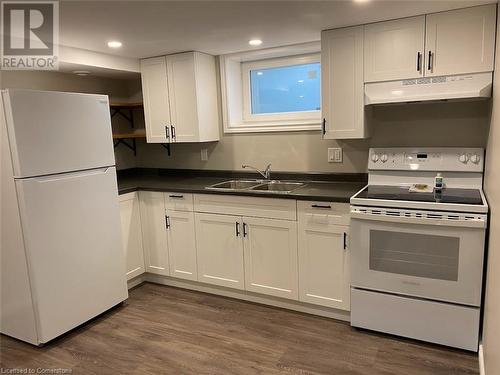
427	159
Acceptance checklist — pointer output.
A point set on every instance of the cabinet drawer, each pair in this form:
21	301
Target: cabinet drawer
273	208
179	201
324	212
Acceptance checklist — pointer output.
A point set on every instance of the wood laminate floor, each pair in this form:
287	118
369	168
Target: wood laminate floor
164	330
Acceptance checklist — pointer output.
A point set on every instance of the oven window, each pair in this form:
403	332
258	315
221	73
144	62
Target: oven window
414	254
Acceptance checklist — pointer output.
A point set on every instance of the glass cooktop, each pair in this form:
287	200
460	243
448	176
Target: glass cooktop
402	193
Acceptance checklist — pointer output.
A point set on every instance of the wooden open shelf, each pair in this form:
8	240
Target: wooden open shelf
126	105
135	134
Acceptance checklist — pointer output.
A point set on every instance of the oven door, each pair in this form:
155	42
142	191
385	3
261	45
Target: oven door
423	254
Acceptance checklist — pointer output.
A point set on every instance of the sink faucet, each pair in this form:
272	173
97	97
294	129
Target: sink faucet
266	174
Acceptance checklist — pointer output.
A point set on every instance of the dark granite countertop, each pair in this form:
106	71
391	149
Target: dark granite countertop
319	187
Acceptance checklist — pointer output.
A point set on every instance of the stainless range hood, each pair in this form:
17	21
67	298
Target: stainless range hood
469	86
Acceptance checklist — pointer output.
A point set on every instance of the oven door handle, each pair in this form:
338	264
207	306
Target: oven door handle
469	223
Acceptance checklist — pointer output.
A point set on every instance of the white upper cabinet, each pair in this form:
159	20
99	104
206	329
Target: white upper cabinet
155	96
270	248
180	98
460	41
131	233
154	232
342	83
394	49
454	42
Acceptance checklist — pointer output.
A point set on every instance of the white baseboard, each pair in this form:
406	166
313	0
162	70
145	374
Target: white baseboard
243	295
482	371
132	283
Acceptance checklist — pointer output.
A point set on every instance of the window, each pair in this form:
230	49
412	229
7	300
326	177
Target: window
272	90
283	89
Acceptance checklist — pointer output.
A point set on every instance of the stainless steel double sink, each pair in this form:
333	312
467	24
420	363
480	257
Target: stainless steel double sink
262	186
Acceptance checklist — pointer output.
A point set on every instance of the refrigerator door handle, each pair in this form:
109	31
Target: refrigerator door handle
68	175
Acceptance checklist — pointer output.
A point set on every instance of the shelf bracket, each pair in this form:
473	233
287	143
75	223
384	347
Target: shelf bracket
129	117
132	146
167	147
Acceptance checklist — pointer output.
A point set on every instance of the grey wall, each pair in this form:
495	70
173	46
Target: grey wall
491	328
437	124
117	89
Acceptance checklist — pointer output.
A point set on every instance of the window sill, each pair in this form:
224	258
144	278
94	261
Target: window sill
269	127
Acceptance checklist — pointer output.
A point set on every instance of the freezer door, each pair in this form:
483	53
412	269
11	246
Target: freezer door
56	132
73	243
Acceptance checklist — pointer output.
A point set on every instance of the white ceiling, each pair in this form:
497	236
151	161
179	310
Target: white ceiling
152	28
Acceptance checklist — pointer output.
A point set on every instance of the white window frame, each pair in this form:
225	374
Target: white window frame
235	91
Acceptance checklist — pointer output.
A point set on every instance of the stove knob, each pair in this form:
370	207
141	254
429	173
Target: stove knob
384	158
475	158
374	158
464	158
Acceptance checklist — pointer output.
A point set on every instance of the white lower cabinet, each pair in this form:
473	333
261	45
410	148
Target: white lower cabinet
220	250
154	232
131	234
305	260
324	270
270	249
181	244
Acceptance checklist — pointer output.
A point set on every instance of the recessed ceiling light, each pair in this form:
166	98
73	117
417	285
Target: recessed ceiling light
114	44
81	73
361	1
255	42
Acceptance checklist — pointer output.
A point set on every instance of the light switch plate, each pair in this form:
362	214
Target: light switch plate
334	155
204	154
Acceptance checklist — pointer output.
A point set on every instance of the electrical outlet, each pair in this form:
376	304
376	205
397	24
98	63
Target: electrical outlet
204	154
335	155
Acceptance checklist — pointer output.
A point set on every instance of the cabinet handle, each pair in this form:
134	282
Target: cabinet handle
429	62
419	56
245	233
345	240
324	126
167	132
237	225
173	133
176	196
320	206
167	222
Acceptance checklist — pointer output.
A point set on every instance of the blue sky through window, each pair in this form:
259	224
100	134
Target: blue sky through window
294	88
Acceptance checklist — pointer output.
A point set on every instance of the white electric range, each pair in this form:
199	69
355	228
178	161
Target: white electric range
417	257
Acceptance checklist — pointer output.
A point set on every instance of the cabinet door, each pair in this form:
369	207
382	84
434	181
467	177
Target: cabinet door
219	250
342	83
182	94
154	232
271	257
181	245
323	262
460	41
132	234
392	49
155	96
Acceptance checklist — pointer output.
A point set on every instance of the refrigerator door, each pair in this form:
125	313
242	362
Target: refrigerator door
56	132
73	244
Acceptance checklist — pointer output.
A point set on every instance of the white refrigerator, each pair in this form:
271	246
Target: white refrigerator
62	260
